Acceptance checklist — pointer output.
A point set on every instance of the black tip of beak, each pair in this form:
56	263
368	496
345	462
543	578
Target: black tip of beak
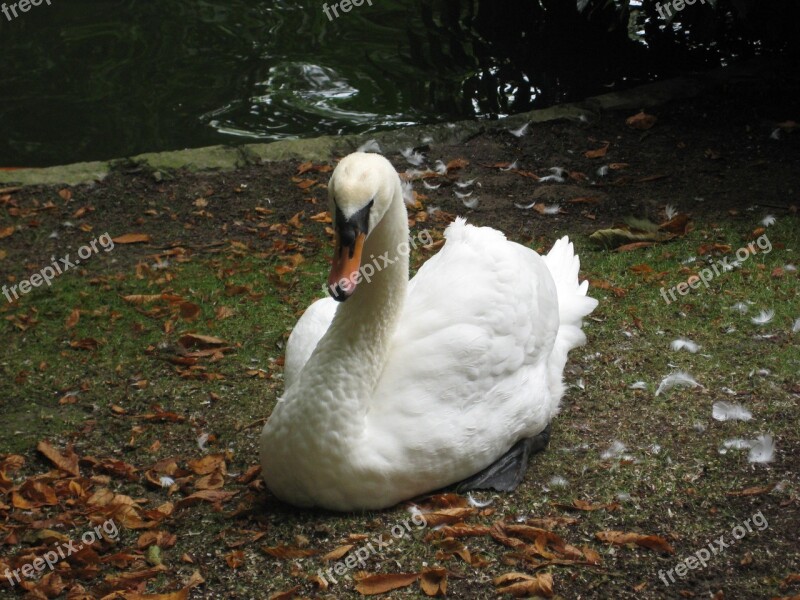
337	293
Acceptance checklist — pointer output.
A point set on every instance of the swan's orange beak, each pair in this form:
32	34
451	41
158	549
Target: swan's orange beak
344	275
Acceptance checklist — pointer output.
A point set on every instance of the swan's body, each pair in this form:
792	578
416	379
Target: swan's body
410	386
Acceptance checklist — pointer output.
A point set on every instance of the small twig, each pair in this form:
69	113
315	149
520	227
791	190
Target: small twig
256	423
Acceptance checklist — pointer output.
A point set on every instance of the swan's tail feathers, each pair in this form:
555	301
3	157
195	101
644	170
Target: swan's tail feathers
573	305
564	264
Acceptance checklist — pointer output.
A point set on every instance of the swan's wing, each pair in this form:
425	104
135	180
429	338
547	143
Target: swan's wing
304	337
467	373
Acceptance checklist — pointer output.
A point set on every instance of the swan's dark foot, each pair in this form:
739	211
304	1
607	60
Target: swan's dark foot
509	471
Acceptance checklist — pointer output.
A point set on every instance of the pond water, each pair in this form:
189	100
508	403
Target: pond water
89	80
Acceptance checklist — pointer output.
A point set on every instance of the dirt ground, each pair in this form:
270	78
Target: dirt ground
726	159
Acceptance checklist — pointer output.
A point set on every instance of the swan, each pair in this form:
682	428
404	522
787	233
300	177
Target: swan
395	388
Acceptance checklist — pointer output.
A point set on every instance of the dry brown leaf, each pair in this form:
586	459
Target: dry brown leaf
338	553
599	152
678	225
304	184
66	462
588	506
6	231
621	538
73	318
141	298
223	312
525	585
714	249
132	238
592	555
634	246
551	522
447	516
790	579
433	582
641	121
443	501
457	163
235	559
189	311
287	595
162	539
208	464
381	583
754	491
213	496
212	481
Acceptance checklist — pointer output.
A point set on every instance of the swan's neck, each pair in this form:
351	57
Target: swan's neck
351	356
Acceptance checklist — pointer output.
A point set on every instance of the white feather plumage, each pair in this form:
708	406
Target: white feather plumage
764	317
677	379
730	411
684	344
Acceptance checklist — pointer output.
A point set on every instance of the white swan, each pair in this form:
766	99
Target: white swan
410	386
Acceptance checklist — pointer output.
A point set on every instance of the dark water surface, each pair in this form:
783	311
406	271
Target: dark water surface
91	79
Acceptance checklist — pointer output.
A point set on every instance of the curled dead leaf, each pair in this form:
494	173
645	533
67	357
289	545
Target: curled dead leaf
599	152
621	538
370	585
433	582
525	585
641	120
132	238
66	462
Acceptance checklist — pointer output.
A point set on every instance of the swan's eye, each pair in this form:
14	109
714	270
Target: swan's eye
350	228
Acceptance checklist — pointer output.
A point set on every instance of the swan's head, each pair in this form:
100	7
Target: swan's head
361	189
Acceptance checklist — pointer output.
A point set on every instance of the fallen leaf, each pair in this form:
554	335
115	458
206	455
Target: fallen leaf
620	538
753	491
641	120
525	585
287	595
381	583
6	231
338	553
67	463
235	559
457	163
448	516
433	582
599	152
213	496
73	318
132	238
189	311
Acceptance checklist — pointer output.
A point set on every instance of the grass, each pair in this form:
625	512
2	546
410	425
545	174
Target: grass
673	481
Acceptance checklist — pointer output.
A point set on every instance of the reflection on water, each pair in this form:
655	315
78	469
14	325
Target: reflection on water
85	80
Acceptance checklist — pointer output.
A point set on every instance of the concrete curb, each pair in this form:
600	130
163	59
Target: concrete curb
322	148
